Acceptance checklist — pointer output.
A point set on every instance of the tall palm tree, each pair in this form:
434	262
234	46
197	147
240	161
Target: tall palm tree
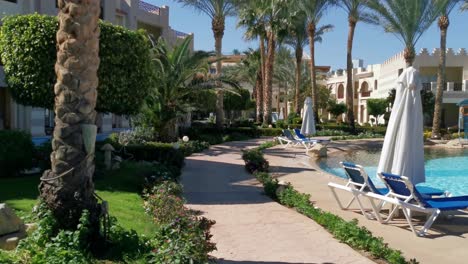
217	10
68	188
314	11
443	23
407	20
464	6
251	16
356	10
297	39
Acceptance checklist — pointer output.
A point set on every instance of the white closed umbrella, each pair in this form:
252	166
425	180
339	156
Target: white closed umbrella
403	148
308	119
281	114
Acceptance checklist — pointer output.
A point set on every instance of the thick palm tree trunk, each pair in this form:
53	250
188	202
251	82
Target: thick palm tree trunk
259	96
68	188
441	77
268	92
263	59
218	32
409	55
349	77
311	31
299	52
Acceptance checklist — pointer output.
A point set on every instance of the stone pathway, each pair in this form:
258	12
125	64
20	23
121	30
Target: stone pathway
251	228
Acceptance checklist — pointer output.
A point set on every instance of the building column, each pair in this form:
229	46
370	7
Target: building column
37	121
450	86
465	86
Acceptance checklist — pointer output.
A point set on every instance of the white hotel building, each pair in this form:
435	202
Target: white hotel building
132	14
376	81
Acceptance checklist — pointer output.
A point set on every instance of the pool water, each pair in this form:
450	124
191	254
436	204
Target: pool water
446	169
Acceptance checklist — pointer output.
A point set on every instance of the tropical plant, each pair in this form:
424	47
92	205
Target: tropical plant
179	74
407	20
356	10
297	39
443	23
217	10
376	107
464	6
336	109
249	70
251	17
314	11
267	16
68	189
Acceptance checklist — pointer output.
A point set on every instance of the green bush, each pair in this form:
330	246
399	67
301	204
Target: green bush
28	52
163	206
254	161
271	132
164	153
16	152
193	146
185	240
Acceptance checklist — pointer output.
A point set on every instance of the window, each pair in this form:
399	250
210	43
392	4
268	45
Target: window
120	20
375	85
340	91
12	1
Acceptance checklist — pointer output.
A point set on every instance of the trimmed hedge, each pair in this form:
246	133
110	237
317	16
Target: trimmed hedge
28	52
16	152
164	153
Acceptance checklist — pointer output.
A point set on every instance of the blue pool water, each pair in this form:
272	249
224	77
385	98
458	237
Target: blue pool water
445	168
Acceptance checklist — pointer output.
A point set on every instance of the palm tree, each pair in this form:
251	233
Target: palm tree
67	188
217	10
356	10
251	16
297	39
464	6
407	20
443	23
249	70
179	74
314	11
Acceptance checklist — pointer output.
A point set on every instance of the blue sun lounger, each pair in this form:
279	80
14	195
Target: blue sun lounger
360	184
409	199
300	136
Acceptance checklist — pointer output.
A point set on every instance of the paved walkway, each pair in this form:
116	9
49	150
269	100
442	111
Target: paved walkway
446	242
251	228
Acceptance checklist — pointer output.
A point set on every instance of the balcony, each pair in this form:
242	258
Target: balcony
365	93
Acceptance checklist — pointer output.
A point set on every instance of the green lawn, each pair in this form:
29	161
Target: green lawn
121	188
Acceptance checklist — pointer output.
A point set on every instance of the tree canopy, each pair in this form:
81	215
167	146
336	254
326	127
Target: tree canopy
28	52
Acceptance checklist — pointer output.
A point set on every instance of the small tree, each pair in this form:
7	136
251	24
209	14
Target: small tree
376	108
336	109
427	100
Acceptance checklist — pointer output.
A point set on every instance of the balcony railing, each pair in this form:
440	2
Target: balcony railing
458	87
365	93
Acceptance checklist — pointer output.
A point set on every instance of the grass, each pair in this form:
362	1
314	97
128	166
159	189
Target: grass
121	188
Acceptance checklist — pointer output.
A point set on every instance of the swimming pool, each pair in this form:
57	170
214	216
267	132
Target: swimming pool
445	168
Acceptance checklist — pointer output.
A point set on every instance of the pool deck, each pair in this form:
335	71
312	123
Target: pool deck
446	242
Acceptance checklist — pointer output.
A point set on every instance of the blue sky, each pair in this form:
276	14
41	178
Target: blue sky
370	42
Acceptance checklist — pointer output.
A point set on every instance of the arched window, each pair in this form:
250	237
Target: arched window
340	91
365	90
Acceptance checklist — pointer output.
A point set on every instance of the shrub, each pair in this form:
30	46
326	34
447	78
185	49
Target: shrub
193	146
164	153
28	51
164	206
254	161
186	240
16	152
270	132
